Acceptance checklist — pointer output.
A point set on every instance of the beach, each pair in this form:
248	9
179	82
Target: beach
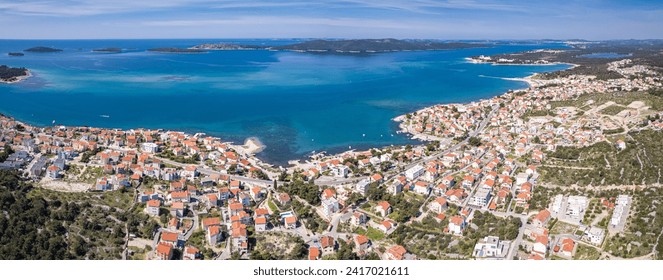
252	145
17	79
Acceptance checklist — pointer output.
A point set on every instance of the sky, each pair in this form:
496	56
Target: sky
430	19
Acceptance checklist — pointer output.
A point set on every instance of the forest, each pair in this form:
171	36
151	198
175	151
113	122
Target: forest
8	73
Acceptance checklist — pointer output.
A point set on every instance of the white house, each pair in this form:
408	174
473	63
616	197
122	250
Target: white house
362	186
213	235
421	187
341	171
383	207
152	208
414	172
438	205
456	225
595	235
489	247
396	187
261	224
149	147
330	206
481	197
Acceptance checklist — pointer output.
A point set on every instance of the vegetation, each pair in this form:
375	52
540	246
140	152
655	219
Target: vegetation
602	164
404	206
474	141
304	190
279	246
612	110
9	73
87	155
643	227
309	217
195	159
41	224
5	153
42	50
585	252
373	45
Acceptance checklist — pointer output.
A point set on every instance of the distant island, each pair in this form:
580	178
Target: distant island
108	50
348	46
176	50
12	75
42	50
15	54
372	46
226	47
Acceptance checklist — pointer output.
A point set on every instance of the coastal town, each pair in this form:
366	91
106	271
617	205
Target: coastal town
480	186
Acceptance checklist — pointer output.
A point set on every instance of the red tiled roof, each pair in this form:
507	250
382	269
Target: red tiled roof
169	236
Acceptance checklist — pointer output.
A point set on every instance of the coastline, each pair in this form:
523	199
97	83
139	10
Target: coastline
252	146
531	82
18	79
479	61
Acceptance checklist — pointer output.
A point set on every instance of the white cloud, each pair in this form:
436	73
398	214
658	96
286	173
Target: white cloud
88	7
292	21
99	7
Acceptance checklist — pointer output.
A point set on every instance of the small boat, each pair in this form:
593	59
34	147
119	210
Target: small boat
104	116
363	135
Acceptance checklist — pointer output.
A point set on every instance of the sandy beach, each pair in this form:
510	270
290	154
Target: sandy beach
252	145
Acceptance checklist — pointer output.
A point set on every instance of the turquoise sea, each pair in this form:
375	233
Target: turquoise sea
295	103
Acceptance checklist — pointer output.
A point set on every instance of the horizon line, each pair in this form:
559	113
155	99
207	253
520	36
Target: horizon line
340	38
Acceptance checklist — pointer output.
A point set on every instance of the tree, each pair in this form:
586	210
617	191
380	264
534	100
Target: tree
474	141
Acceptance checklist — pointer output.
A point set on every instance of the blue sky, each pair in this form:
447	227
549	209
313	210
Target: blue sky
453	19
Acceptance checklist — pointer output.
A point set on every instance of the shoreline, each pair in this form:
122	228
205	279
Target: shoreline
478	61
252	145
423	137
18	79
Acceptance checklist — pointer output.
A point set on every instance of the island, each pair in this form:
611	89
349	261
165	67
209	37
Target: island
15	54
42	50
373	46
175	50
353	46
12	75
108	50
225	47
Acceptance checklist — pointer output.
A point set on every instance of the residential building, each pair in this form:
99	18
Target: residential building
414	172
383	208
152	207
164	251
396	252
456	225
595	235
541	218
489	247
